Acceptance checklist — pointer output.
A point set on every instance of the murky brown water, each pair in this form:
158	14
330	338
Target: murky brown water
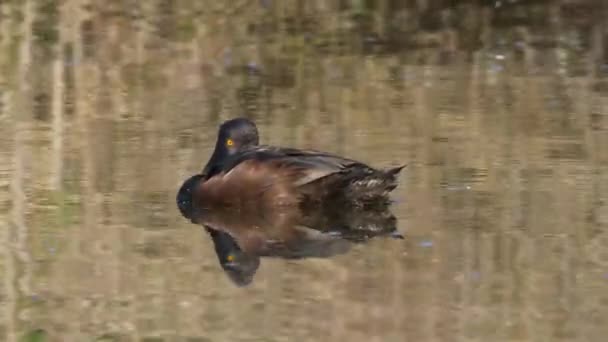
500	111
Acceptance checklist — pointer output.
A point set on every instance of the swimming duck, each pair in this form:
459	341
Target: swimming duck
243	175
286	179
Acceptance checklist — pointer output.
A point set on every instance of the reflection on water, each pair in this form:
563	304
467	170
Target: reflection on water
290	233
500	109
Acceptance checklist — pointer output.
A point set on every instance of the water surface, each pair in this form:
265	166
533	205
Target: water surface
500	110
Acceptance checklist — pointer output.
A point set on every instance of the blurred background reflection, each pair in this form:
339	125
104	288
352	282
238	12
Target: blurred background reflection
499	108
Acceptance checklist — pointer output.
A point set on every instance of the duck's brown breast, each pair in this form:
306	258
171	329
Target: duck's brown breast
252	184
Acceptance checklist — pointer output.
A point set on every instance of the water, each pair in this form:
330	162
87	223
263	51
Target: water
500	111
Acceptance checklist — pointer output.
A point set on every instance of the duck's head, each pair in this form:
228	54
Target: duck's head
184	196
234	135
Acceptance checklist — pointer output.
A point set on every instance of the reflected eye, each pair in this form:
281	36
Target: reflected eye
230	257
229	142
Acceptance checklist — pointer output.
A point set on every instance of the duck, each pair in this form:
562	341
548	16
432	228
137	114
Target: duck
245	176
294	194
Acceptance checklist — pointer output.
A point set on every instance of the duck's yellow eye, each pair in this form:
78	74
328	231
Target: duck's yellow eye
229	142
230	257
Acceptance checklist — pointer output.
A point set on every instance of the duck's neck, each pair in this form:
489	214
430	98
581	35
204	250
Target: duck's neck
221	153
215	162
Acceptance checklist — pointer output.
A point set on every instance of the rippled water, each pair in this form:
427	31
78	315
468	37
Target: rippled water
499	109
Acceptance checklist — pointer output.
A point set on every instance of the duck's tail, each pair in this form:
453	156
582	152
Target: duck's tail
358	186
370	186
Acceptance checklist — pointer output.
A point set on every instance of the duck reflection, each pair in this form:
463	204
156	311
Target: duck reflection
241	239
238	265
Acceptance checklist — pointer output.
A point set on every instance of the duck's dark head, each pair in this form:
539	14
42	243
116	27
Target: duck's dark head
184	196
234	135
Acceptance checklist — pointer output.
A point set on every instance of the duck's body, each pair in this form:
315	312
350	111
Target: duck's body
246	175
272	176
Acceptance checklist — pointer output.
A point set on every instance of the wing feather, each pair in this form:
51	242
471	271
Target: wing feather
307	165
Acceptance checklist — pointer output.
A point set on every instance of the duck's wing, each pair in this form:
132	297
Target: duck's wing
309	165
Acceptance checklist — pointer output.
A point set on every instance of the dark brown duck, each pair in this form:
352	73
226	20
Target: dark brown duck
246	176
